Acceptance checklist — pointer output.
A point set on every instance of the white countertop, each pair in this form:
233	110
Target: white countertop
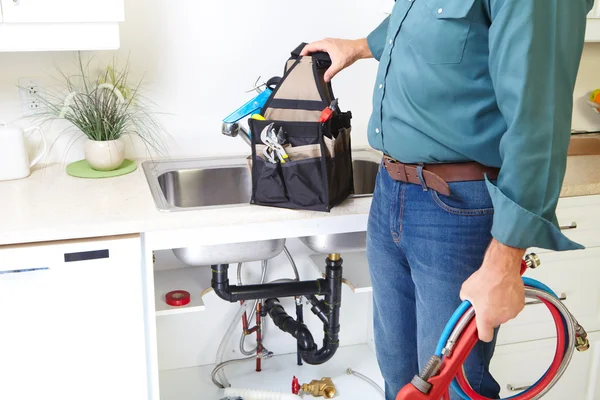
51	205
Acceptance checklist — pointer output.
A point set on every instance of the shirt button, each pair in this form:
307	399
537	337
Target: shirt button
440	10
391	41
381	86
377	130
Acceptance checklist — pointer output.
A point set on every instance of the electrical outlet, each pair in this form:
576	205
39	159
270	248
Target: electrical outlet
31	93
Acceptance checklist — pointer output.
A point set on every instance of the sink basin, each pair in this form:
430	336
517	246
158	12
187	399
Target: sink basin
336	243
229	253
183	185
193	184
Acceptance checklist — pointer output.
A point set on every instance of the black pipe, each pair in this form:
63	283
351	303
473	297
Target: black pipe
232	293
283	321
333	300
318	308
331	328
299	319
328	310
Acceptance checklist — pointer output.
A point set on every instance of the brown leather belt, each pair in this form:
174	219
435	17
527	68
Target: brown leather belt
437	176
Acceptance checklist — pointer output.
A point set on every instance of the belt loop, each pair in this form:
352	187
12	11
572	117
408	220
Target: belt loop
421	178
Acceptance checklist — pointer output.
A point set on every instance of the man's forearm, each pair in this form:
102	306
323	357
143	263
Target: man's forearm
499	255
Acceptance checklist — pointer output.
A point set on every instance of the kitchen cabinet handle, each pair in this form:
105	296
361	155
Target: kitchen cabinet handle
573	225
562	297
86	255
16	2
517	388
20	271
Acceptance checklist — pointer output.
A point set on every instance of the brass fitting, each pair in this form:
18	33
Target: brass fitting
335	257
532	261
581	339
323	388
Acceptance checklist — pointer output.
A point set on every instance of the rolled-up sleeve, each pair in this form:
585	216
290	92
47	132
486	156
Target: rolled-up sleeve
535	49
376	39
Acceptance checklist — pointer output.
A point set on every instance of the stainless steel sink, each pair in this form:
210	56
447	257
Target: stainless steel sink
193	184
183	185
230	253
337	243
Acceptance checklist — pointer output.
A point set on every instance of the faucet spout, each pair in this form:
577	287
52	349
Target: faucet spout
233	129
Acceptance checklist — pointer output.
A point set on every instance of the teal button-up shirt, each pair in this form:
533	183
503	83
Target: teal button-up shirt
490	81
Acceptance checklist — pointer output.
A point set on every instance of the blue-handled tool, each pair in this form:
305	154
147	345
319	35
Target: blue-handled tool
231	126
253	106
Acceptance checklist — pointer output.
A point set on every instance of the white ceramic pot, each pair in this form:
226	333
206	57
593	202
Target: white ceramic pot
105	156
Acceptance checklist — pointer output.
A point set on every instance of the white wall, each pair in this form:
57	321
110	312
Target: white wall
199	57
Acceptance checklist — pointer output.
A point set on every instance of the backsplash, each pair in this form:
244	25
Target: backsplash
200	58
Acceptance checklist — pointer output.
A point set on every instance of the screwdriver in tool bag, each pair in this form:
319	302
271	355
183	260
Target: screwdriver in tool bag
328	112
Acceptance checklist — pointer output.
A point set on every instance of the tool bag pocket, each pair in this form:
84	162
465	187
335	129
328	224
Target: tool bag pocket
317	174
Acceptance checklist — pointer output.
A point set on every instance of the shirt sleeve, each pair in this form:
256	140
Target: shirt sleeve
376	39
535	49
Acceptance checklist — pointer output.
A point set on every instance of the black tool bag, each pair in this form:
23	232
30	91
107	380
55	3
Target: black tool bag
317	175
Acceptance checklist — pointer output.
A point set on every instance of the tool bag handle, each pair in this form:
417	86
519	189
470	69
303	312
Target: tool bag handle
321	57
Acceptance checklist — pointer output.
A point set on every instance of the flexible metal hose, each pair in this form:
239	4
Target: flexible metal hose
570	332
262	280
263	276
215	371
370	381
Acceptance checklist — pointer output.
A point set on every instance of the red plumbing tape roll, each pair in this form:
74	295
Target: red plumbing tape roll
177	298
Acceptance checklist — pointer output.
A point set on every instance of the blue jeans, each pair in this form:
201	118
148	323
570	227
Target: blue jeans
421	247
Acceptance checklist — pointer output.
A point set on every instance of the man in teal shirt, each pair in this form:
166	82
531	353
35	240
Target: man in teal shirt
478	89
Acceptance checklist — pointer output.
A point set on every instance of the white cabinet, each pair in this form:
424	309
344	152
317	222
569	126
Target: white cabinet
592	33
573	275
36	25
72	320
520	365
53	11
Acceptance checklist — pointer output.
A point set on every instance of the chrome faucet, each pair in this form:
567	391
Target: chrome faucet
231	124
233	129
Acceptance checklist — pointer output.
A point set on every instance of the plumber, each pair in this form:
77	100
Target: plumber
472	109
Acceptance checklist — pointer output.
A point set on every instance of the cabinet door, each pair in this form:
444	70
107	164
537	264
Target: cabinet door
52	11
572	274
72	325
517	366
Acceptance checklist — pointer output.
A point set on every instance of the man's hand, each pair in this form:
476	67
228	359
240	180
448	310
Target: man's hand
343	53
496	290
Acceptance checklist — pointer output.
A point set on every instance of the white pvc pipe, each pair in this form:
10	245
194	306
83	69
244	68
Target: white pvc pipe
250	394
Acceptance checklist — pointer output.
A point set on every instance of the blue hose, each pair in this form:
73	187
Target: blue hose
458	314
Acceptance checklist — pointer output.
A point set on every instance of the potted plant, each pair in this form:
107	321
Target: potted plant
104	107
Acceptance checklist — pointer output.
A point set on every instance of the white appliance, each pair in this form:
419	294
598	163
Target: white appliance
14	159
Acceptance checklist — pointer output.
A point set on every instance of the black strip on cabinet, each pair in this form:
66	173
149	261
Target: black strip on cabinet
86	255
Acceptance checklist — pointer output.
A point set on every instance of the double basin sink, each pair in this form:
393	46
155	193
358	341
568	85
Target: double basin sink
187	185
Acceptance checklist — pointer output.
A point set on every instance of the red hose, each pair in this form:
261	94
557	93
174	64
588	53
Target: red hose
554	367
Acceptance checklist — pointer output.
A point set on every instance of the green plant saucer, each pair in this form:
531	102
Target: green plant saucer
81	169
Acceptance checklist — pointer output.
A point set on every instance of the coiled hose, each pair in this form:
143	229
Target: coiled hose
569	335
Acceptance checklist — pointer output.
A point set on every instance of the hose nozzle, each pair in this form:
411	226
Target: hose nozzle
581	339
532	261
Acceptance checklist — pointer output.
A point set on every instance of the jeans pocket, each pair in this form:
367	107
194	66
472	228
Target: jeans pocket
467	198
445	28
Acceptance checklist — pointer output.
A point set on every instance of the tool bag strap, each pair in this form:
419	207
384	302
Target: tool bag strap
302	92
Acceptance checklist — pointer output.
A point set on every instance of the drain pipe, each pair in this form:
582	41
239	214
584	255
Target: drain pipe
331	318
233	293
328	310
